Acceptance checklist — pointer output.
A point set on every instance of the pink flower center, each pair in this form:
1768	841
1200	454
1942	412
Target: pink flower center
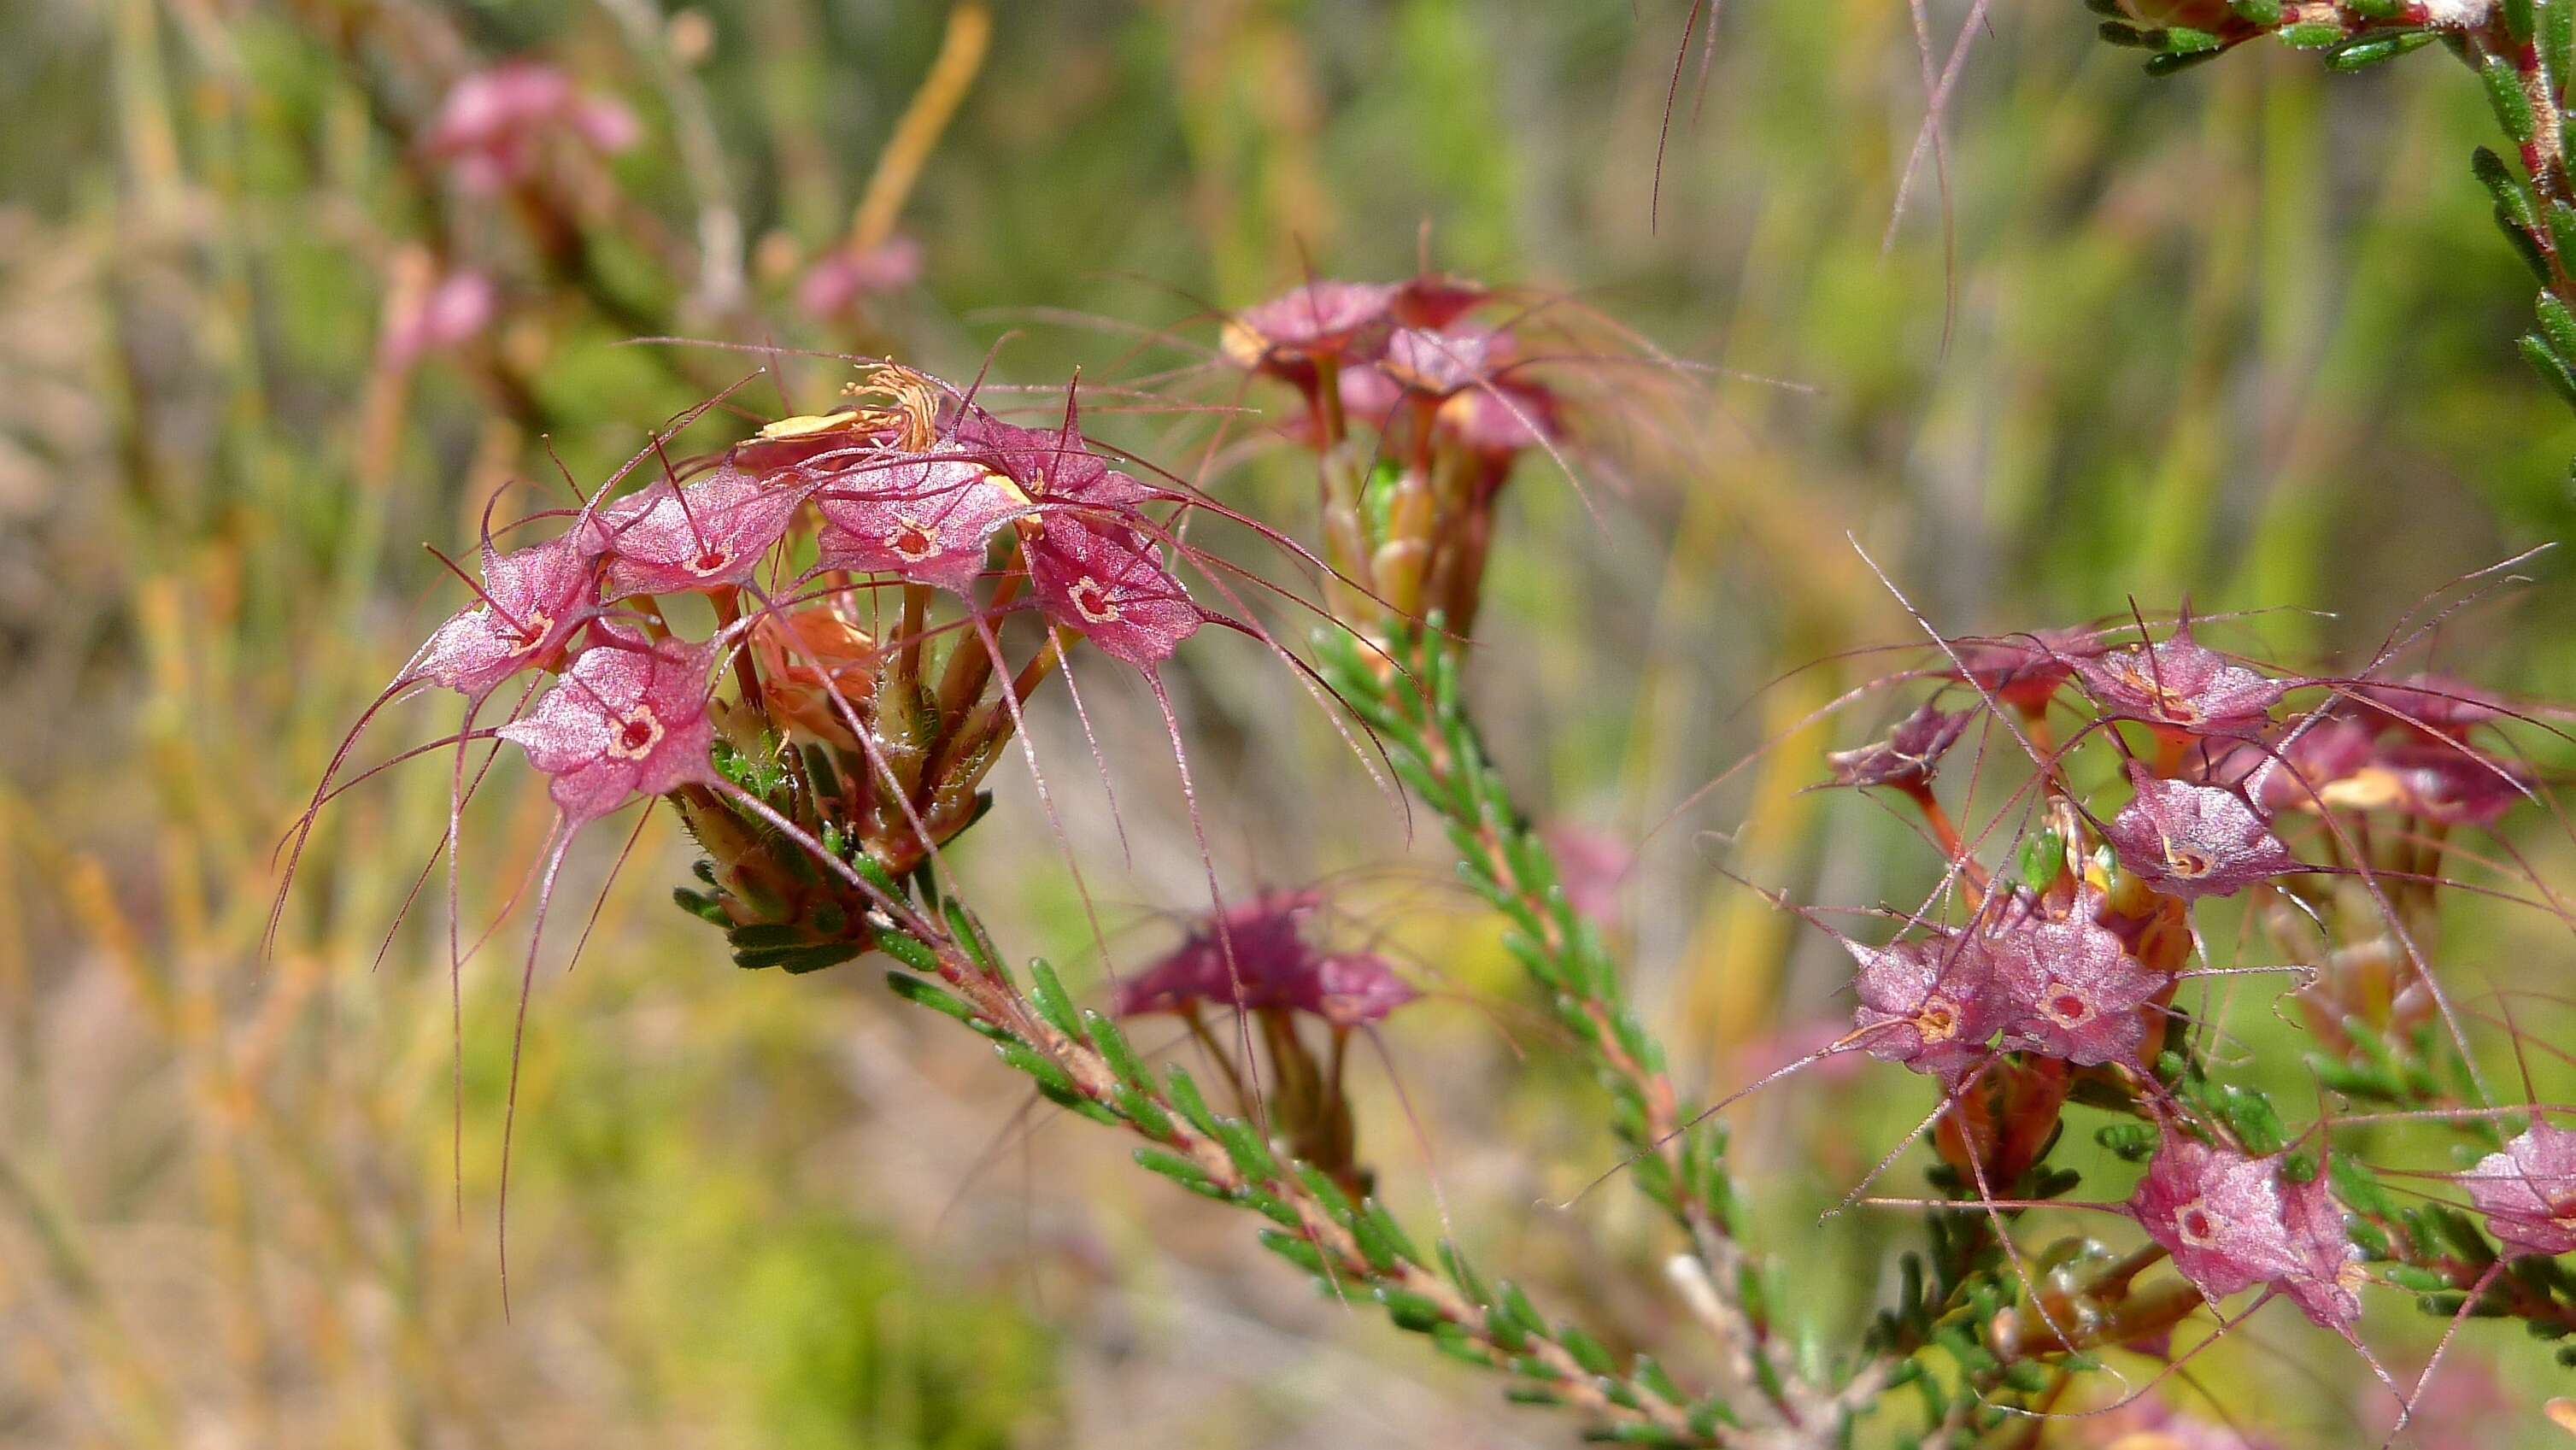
2195	1225
2171	704
709	562
1093	602
536	626
636	735
2067	1008
2187	862
909	540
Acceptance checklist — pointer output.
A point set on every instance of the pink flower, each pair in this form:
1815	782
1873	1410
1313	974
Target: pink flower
630	718
925	520
1343	321
2528	1191
494	122
1906	756
2231	1221
840	279
533	600
2435	703
1590	865
1108	584
451	314
1931	1003
1094	564
1277	967
711	534
2219	1212
2340	765
1266	936
2075	993
2193	841
2180	685
1440	363
2024	670
2326	1275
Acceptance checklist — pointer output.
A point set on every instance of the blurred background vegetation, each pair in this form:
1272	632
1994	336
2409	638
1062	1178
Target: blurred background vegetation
2243	334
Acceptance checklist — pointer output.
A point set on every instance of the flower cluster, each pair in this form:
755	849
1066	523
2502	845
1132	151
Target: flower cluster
2168	779
1261	956
495	125
1271	960
848	723
1419	397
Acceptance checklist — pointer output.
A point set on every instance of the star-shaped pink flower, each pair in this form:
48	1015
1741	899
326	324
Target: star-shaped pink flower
533	600
2528	1191
2181	685
2074	990
1275	965
927	520
2218	1212
2193	841
1928	1002
711	534
629	718
1108	584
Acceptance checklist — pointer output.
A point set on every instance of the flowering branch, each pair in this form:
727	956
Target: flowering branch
1420	718
1354	1247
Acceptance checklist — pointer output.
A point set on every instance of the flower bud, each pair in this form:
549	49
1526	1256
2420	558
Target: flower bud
805	658
1998	1130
